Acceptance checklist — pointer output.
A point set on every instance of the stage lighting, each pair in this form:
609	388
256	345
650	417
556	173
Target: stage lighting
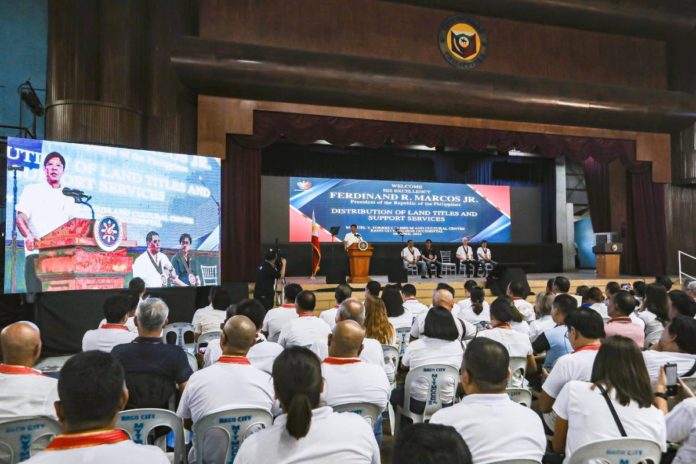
28	96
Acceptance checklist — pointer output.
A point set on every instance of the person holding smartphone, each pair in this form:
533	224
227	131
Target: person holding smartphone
680	420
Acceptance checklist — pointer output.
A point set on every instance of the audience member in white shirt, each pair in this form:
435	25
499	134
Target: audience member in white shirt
676	345
307	328
411	303
494	427
205	309
353	310
92	392
544	321
465	257
443	298
308	433
263	353
342	293
475	309
594	299
114	331
439	345
398	316
134	300
681	304
517	344
618	376
680	421
585	331
654	309
516	290
24	391
430	444
231	382
561	285
348	379
468	286
209	321
277	317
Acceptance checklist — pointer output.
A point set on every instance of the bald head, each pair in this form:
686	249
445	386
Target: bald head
238	335
443	298
352	310
21	344
346	340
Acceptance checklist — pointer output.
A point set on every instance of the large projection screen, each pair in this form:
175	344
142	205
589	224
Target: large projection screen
50	235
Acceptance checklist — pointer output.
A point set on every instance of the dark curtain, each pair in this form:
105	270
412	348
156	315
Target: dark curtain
240	244
597	183
242	173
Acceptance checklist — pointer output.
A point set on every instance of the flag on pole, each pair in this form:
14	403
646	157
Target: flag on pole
316	251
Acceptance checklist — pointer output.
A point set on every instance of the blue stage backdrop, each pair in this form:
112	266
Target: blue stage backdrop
420	210
145	191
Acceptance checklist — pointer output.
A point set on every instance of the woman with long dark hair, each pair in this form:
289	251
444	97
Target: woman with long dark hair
620	382
477	310
654	308
399	317
306	432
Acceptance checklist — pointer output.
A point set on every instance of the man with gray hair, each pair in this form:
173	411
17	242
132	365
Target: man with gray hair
154	370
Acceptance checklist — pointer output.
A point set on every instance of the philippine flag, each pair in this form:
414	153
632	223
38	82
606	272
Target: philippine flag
316	251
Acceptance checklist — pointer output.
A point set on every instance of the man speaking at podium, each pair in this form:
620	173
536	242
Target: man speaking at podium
351	237
42	208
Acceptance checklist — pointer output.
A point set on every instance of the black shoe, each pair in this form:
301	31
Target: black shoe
439	276
423	277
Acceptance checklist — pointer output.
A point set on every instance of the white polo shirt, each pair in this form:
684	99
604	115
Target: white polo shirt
654	360
351	380
329	316
304	331
371	353
538	326
495	428
483	253
574	366
466	312
464	328
261	355
210	321
681	428
405	321
350	239
332	437
276	318
143	268
411	254
414	306
199	312
520	327
516	343
526	308
104	447
464	254
651	322
427	351
26	392
130	324
590	419
106	337
637	320
601	308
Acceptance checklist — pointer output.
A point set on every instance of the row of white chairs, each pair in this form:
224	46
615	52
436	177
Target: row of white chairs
18	436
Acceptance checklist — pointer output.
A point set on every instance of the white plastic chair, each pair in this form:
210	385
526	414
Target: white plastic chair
522	396
412	269
653	337
391	357
618	451
369	412
17	436
437	376
138	423
210	275
404	335
206	338
52	365
179	329
448	267
237	424
518	367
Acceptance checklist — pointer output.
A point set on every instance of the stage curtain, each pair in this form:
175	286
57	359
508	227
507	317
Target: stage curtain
240	244
242	173
597	184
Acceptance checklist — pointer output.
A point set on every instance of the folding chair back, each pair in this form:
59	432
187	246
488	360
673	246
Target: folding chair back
179	329
17	436
518	367
210	275
522	396
404	335
448	267
138	423
618	451
369	412
237	424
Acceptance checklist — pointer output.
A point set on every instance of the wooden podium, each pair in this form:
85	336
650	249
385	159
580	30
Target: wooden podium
608	265
359	263
69	259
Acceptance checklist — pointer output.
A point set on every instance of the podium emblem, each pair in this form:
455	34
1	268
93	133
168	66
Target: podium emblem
108	233
363	245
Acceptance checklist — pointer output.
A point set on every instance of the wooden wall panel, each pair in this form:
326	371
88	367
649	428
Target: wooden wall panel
680	211
401	32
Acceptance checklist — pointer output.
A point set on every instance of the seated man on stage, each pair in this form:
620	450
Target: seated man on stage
484	257
154	267
412	257
431	258
465	255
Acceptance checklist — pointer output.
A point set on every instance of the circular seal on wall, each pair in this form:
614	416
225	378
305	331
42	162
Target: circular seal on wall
462	42
108	233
